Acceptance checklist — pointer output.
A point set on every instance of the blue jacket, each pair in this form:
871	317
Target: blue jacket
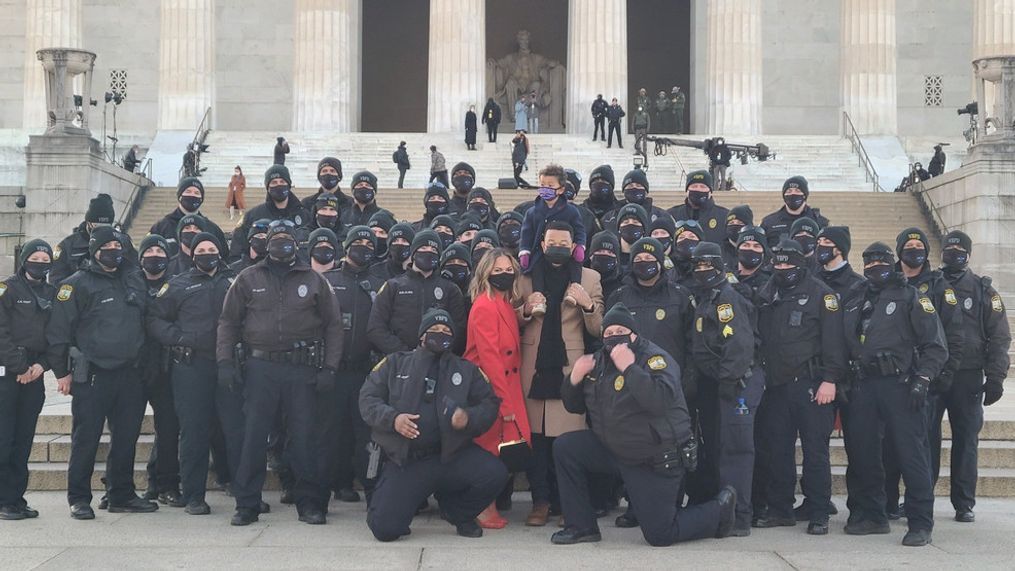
537	218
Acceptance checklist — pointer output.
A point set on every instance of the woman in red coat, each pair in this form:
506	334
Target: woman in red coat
494	345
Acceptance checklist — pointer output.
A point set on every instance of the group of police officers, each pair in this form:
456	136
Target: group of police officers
325	335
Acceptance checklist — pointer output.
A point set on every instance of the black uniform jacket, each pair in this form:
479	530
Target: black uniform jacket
985	325
355	289
723	337
401	303
186	310
25	307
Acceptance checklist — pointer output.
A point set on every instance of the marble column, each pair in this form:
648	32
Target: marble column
327	65
993	35
186	63
48	24
733	75
868	65
457	63
596	62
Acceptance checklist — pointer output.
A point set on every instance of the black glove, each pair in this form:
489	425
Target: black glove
918	389
943	384
227	374
992	391
729	390
325	380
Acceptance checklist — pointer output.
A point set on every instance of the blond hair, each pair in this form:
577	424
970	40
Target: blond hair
481	278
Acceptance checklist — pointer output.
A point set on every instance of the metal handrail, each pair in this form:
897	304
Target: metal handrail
849	132
136	198
199	136
926	202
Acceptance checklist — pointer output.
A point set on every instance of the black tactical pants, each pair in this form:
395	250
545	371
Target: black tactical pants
600	128
164	461
194	387
880	417
342	436
116	396
614	128
791	411
654	496
964	403
464	486
20	406
268	388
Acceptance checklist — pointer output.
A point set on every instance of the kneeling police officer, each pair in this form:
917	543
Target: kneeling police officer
425	406
641	432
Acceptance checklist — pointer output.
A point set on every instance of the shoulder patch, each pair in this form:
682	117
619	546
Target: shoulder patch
725	312
163	290
3	289
996	304
926	304
831	302
64	293
379	365
950	298
657	363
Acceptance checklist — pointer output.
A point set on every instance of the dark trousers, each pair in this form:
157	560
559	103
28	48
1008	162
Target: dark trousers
491	132
893	471
164	461
342	434
19	410
654	496
194	388
880	416
442	177
464	486
600	128
762	458
964	403
790	411
116	396
518	176
541	473
401	177
231	424
614	128
268	388
728	443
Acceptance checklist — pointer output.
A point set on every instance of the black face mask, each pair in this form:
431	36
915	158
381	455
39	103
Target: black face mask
825	254
323	255
206	262
191	203
503	281
382	248
437	343
259	246
154	264
787	277
328	181
38	270
697	199
733	231
435	209
913	257
955	260
600	194
477	255
361	255
509	234
480	209
645	270
282	249
604	264
278	193
665	241
631	233
110	258
446	239
425	261
186	238
750	259
326	220
363	195
879	275
708	278
635	195
794	201
611	341
683	248
456	273
557	254
399	252
807	243
463	184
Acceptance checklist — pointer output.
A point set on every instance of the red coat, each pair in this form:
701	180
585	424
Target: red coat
494	345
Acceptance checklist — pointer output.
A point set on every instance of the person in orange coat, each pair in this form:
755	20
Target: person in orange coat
494	345
234	198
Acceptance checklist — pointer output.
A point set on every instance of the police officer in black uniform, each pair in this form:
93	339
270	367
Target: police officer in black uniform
752	269
635	188
184	320
832	256
424	407
257	246
795	192
329	174
641	432
729	388
803	352
71	254
739	217
364	200
190	197
403	300
25	304
463	179
290	325
632	224
279	204
95	336
381	224
509	231
987	339
601	200
325	212
687	236
435	203
804	231
897	346
699	205
399	252
604	251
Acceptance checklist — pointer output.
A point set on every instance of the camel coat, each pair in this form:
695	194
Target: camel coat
548	417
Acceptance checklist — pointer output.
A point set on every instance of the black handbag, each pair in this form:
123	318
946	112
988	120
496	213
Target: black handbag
515	454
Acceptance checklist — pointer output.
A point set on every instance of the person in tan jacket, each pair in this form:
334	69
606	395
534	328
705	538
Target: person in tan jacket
552	339
234	198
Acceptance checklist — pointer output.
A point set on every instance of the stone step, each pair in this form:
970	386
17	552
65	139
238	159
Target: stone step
52	476
57	447
992	453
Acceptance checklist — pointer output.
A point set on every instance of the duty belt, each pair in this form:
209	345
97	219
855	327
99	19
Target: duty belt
426	452
309	353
